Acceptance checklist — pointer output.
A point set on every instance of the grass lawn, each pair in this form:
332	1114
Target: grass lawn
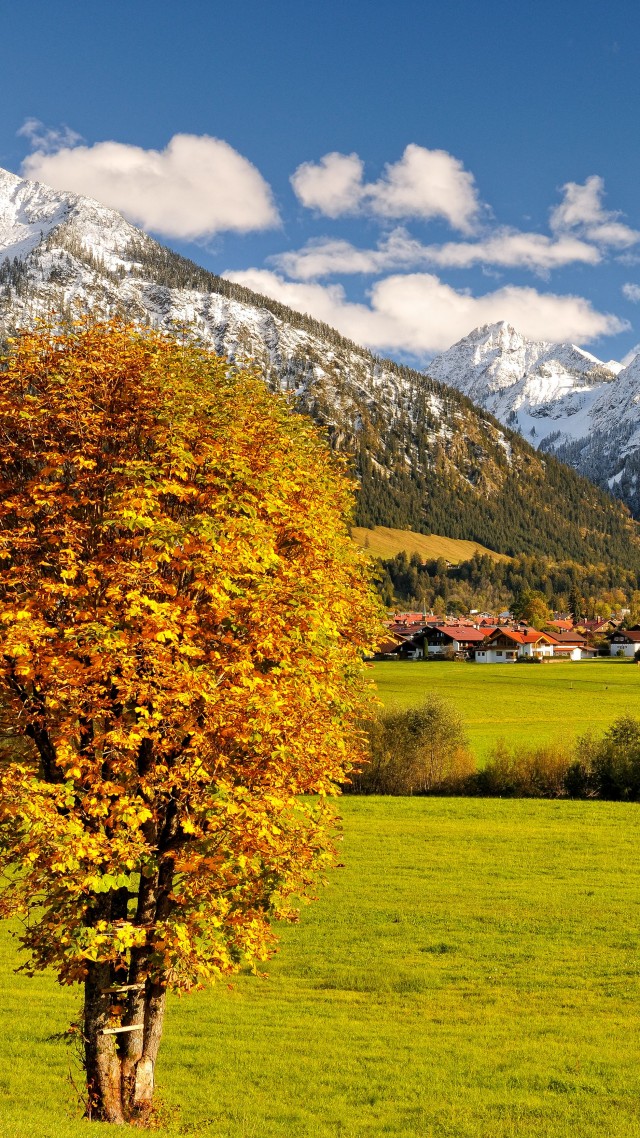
472	972
518	702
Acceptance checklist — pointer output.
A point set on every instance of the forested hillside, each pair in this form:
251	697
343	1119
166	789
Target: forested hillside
485	582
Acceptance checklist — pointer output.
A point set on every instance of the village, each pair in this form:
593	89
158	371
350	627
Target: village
484	638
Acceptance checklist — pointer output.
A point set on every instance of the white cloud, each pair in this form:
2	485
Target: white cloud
194	188
422	184
581	209
425	184
333	186
504	247
513	249
327	256
632	292
48	139
417	313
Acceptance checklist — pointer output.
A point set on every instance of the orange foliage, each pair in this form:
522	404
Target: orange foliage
183	620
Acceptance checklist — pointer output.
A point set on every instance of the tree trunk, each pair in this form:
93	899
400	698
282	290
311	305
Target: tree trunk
102	1061
120	1067
141	1078
121	1075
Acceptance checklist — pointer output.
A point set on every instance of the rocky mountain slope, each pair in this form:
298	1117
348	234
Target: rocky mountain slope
559	397
427	459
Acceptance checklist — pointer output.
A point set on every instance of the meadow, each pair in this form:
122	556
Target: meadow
381	541
554	702
471	972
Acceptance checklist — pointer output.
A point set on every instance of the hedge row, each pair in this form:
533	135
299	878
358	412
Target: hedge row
423	750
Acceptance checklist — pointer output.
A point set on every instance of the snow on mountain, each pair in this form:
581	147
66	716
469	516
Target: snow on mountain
59	251
63	253
536	387
558	396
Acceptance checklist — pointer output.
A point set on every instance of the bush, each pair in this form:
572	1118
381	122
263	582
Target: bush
421	750
537	772
610	767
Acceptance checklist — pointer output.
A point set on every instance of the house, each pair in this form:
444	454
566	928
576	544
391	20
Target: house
389	648
455	637
562	625
506	645
570	645
624	642
488	624
593	628
440	640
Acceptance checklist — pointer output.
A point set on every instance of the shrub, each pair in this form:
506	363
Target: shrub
423	750
420	750
610	767
536	772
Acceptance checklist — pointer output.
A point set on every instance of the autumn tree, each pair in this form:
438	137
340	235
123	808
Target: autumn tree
183	617
531	606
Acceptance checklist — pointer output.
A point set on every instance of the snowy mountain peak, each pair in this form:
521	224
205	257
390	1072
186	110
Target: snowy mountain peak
8	181
503	356
504	371
558	396
28	212
31	212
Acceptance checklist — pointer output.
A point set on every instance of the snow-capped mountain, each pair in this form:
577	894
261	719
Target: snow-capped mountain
559	397
61	253
426	457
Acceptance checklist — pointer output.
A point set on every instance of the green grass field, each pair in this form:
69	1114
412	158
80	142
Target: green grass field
520	703
472	972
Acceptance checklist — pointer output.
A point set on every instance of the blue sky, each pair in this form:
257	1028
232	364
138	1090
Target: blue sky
485	158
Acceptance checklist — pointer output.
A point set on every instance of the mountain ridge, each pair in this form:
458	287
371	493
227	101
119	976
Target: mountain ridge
426	457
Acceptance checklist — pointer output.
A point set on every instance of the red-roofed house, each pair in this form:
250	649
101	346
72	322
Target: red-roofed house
436	641
459	637
506	645
570	645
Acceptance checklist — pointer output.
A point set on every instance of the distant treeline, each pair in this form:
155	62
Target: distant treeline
423	750
486	583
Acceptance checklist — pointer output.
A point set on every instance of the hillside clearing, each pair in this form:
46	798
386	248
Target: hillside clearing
384	542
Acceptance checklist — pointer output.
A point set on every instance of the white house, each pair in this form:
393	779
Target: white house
570	645
505	646
625	641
